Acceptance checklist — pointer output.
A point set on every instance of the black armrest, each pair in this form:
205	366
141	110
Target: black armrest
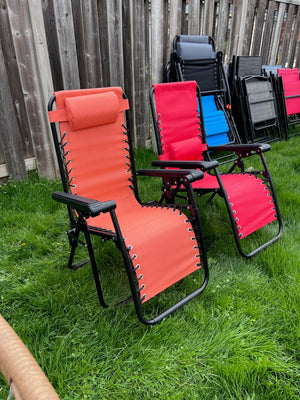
203	165
242	148
184	174
88	206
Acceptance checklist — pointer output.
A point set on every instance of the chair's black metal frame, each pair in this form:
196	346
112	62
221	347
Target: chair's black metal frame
81	208
242	152
218	87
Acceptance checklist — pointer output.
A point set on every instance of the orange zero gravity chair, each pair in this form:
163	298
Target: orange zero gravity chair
160	243
180	134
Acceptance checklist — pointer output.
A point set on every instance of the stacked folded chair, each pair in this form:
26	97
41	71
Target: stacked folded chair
161	242
180	135
271	69
287	84
194	58
256	109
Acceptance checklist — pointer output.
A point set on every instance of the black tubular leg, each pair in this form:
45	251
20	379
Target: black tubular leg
93	262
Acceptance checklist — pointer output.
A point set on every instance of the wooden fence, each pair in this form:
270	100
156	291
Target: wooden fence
49	45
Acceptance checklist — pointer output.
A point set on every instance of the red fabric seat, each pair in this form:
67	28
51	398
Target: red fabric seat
176	111
291	84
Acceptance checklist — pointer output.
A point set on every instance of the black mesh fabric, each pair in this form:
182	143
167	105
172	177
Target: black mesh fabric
204	72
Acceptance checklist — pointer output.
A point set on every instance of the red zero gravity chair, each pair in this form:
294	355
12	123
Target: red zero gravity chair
159	243
249	196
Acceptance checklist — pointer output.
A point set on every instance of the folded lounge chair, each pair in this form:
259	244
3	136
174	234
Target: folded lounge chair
288	89
256	109
249	196
160	243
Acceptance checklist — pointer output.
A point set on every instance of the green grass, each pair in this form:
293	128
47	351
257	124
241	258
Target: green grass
238	340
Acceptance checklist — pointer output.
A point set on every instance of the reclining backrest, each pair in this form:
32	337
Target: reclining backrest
178	118
204	72
93	141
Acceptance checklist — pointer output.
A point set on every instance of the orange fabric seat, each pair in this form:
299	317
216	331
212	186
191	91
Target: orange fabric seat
160	242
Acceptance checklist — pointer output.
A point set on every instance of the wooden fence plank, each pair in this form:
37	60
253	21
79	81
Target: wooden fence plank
267	36
175	21
209	16
127	12
34	68
66	43
91	36
246	27
259	24
294	40
14	80
78	22
10	133
115	42
52	42
283	51
222	25
237	12
141	108
157	14
277	33
194	17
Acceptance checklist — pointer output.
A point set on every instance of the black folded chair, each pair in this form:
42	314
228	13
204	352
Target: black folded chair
256	108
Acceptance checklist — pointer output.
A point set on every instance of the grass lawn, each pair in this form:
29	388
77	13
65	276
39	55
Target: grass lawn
238	340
